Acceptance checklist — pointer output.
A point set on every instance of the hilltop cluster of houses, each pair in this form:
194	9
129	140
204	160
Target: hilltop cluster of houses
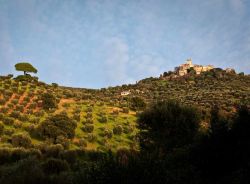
183	69
187	67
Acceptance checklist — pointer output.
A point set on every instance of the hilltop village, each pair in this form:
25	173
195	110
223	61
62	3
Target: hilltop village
188	67
184	68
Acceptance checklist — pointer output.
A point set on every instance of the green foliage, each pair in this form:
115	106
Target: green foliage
55	166
167	125
117	130
21	140
25	67
137	103
49	101
57	125
8	120
1	128
88	128
103	119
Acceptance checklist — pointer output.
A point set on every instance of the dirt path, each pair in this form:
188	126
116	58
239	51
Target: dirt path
9	101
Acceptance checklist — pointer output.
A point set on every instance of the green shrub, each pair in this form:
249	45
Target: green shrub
20	108
89	115
57	125
8	120
49	101
2	101
76	117
88	128
23	117
169	125
63	141
91	137
1	128
137	103
108	133
2	116
117	130
103	119
21	140
55	166
9	131
127	129
15	114
14	101
88	121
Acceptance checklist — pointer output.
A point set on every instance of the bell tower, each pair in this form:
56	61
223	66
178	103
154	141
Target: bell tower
189	62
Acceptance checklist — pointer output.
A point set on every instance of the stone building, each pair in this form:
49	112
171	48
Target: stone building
183	68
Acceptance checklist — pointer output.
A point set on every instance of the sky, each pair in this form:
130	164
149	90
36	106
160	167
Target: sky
102	43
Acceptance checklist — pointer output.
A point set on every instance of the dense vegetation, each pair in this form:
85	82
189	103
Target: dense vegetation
191	129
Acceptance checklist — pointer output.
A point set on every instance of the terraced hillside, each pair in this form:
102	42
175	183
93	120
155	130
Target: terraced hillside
104	118
100	125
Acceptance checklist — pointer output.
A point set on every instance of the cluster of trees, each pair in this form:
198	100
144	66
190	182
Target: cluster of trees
58	126
173	149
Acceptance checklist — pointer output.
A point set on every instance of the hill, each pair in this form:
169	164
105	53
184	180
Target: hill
106	118
100	125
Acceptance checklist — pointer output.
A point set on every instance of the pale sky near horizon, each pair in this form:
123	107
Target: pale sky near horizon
101	43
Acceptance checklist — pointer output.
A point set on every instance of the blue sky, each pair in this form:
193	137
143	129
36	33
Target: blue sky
101	43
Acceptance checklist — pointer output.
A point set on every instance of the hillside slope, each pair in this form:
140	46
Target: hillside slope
106	119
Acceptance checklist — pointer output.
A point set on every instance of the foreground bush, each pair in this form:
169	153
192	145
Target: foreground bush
168	125
57	125
21	140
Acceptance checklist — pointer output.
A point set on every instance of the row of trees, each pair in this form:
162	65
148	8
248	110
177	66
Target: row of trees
173	150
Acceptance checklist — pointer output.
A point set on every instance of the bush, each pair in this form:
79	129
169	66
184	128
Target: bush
168	125
88	121
55	166
108	133
91	137
137	103
21	140
15	114
117	130
57	125
8	120
82	143
63	141
20	108
76	117
49	101
52	150
32	106
103	119
127	129
2	101
14	101
89	115
4	109
1	128
2	116
88	128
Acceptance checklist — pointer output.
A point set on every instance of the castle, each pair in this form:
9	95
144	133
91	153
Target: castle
184	68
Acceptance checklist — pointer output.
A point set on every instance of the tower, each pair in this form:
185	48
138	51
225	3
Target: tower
189	62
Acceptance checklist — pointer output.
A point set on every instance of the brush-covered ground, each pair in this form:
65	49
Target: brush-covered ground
100	125
106	120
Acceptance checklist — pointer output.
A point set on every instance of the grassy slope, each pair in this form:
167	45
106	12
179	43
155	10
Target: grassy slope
203	91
